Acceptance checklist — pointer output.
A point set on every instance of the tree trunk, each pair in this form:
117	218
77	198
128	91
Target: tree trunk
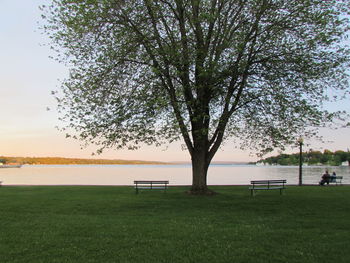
200	165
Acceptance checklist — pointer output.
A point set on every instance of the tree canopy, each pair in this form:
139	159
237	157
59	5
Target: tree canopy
155	71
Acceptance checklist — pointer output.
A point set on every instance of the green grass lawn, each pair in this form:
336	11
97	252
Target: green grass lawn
113	224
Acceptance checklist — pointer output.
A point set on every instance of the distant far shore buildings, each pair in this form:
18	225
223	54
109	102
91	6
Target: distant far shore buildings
346	163
9	165
3	162
310	158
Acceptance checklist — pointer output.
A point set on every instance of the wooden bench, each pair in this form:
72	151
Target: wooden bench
336	179
150	185
267	185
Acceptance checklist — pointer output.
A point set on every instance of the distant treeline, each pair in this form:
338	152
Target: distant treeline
326	157
61	160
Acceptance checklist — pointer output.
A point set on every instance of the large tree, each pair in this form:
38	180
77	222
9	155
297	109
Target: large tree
155	71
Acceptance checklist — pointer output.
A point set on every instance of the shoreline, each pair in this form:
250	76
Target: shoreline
169	185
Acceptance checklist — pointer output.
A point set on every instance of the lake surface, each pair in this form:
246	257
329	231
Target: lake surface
176	174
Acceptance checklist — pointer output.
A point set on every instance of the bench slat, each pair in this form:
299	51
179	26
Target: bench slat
149	187
266	188
268	182
151	182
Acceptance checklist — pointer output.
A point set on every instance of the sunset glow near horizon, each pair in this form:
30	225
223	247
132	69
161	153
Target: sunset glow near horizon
27	77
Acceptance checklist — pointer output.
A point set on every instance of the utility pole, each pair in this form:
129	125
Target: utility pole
300	141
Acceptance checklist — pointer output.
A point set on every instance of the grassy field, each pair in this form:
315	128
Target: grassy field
112	224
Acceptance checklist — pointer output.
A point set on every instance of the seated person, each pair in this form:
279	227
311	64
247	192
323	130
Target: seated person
333	176
325	178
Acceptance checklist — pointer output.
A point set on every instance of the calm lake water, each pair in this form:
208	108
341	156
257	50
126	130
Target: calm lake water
176	174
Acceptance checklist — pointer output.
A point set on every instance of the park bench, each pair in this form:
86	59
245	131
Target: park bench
267	185
150	185
336	179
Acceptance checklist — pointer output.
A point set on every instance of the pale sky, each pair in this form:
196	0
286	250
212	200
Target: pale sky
27	77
